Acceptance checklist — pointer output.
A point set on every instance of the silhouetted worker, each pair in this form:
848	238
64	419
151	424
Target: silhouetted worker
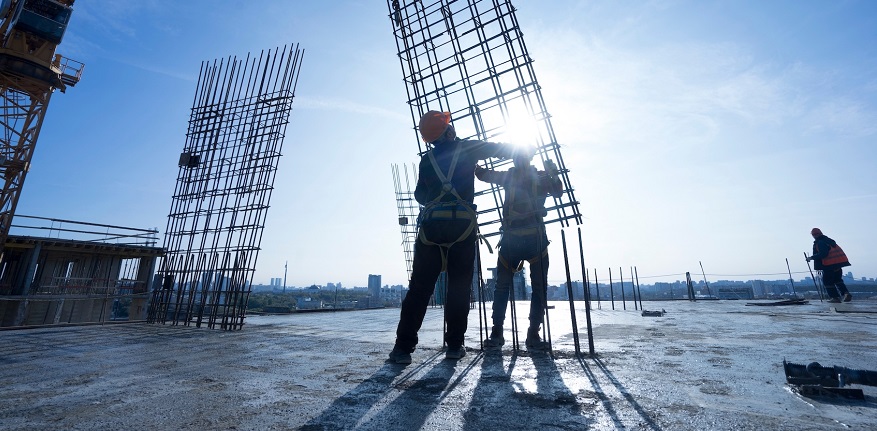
523	238
446	233
830	258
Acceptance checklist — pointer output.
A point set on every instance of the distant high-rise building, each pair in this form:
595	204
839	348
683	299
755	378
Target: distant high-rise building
374	286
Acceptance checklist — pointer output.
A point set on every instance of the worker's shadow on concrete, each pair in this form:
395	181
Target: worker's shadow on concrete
606	402
420	394
349	409
498	395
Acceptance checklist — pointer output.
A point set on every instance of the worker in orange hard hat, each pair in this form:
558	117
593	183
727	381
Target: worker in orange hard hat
447	228
433	125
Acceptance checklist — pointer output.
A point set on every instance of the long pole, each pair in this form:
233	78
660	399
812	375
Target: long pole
710	293
597	285
482	305
633	288
623	299
790	278
587	298
637	288
569	291
813	277
611	289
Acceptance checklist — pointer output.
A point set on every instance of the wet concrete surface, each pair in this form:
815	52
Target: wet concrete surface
713	365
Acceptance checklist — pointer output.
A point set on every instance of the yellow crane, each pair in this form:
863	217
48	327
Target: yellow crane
30	71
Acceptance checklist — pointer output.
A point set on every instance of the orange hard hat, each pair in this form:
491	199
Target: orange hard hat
433	124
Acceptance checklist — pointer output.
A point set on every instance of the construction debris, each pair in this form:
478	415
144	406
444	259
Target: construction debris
815	380
796	301
647	313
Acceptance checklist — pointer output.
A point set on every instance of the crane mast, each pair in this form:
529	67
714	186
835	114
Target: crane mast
30	71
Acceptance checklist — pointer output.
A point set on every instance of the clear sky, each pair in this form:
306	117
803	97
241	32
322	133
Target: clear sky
704	131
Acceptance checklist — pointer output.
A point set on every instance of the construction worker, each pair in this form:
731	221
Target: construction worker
831	259
523	239
447	229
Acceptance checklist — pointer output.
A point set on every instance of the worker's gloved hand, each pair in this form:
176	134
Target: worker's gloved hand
479	172
550	167
809	258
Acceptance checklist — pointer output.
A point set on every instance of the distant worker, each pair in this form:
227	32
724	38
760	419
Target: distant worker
446	233
523	239
830	258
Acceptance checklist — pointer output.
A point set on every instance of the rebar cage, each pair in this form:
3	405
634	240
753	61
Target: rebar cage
224	185
469	58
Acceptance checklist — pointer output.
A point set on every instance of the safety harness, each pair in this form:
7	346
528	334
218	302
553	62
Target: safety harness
438	210
513	214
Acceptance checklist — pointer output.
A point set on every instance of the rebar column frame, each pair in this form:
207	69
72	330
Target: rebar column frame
469	58
224	185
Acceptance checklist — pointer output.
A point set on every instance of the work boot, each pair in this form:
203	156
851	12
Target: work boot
848	297
400	357
455	352
833	300
496	339
534	341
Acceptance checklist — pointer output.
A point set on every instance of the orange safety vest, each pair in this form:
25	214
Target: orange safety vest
835	256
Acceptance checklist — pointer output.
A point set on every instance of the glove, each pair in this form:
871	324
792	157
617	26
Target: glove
550	167
479	171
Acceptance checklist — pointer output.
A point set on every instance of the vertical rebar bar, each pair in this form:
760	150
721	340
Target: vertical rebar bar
806	259
587	297
633	290
572	307
611	289
597	285
623	299
707	283
791	280
636	273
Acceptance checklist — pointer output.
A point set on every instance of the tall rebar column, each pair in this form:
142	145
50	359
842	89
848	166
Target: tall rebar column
224	185
469	58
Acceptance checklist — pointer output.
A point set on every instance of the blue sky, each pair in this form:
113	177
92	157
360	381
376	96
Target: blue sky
695	131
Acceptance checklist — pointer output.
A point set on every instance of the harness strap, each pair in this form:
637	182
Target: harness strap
532	261
448	187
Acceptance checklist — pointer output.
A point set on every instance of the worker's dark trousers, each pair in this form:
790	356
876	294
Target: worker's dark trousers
833	281
505	266
424	273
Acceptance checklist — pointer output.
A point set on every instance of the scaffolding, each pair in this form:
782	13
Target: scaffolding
224	185
469	58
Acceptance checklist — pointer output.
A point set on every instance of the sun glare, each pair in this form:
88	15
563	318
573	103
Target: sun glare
520	130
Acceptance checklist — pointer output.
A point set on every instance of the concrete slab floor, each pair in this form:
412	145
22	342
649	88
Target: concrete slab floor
711	365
